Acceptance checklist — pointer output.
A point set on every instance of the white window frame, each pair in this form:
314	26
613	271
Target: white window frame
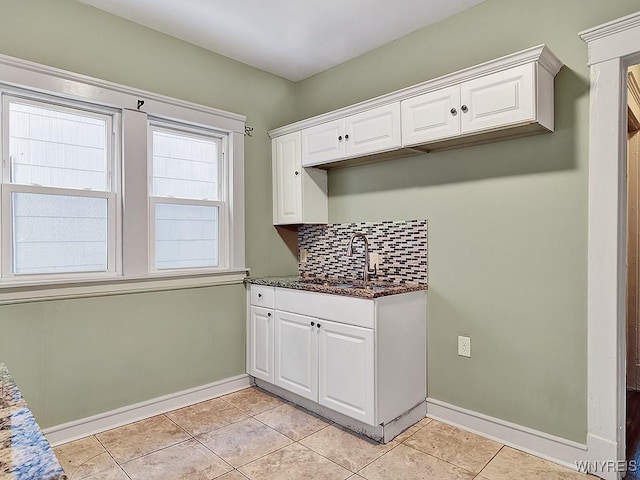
7	232
133	108
111	190
221	203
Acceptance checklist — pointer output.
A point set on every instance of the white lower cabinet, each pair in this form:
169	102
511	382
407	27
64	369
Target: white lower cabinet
261	341
296	347
363	358
345	370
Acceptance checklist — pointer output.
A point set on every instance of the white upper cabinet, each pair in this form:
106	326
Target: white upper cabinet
504	98
323	143
372	131
490	102
299	195
431	116
498	100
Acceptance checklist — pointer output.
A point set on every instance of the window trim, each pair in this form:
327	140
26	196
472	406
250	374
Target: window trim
18	76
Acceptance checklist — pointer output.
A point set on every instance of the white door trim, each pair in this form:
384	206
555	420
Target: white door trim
611	48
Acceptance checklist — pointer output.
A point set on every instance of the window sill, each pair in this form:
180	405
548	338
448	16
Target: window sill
42	290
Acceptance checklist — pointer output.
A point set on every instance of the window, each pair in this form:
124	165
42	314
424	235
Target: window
58	192
187	199
122	189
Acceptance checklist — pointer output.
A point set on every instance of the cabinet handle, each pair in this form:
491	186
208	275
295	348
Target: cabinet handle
259	295
453	111
346	137
340	138
313	323
297	173
464	108
319	325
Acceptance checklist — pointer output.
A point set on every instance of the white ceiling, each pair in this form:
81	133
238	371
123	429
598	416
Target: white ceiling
294	39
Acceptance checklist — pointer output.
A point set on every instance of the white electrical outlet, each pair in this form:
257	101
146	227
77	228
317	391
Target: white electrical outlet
464	346
303	255
375	259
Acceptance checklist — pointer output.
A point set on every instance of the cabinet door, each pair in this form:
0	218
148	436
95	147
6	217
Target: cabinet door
345	370
431	116
287	179
261	343
498	100
375	130
323	143
296	347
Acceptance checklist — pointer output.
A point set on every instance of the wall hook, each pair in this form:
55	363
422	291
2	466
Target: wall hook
248	131
140	104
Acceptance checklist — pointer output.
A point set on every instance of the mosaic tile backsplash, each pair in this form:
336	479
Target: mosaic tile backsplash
402	246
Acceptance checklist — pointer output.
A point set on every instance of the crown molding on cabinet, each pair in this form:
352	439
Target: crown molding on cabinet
540	54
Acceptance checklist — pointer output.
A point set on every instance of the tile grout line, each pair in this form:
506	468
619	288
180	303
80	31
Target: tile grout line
70	475
453	464
486	464
154	451
112	457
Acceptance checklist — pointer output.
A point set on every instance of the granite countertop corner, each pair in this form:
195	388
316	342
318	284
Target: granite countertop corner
25	453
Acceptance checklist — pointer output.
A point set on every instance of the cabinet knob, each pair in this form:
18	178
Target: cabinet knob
454	111
313	323
340	138
297	172
259	295
319	325
268	314
346	137
464	108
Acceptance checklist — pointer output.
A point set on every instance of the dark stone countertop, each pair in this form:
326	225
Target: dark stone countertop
25	453
338	286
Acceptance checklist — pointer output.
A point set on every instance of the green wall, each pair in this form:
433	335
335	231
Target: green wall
507	221
76	358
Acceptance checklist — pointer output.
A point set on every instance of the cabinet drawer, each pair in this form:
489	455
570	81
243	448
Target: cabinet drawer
350	310
262	296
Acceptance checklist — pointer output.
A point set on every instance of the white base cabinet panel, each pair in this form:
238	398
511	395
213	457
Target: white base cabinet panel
261	341
361	358
296	352
345	370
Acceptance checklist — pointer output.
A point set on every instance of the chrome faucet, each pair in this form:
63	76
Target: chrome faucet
367	267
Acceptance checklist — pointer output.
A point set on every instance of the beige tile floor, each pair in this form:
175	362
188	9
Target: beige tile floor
252	435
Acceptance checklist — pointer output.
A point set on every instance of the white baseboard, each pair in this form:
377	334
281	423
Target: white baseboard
601	449
555	449
84	427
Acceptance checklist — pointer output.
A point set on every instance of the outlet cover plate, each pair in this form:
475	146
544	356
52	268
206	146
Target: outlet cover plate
464	346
